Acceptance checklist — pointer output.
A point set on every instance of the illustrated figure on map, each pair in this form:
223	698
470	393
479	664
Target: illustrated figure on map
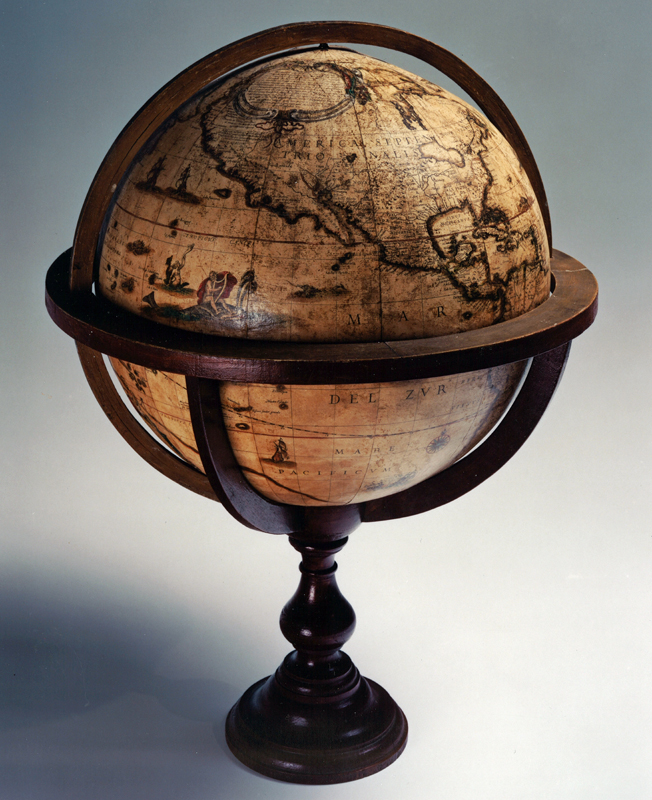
149	184
438	443
214	290
281	453
173	270
182	180
247	284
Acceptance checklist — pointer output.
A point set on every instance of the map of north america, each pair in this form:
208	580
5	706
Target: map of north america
326	196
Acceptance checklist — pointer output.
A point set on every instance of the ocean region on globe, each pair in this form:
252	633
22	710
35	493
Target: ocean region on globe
332	444
326	196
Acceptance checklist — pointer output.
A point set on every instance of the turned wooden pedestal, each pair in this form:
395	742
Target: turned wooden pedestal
316	719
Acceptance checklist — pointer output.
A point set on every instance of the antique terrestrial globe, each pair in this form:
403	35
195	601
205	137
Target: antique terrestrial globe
326	286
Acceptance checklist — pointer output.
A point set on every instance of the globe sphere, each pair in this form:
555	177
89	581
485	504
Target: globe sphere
326	196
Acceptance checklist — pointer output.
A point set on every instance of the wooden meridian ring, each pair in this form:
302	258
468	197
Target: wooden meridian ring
233	56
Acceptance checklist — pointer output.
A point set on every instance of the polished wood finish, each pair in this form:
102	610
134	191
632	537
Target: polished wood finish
222	469
316	720
238	496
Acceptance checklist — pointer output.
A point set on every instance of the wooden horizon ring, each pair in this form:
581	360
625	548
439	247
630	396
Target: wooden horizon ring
95	323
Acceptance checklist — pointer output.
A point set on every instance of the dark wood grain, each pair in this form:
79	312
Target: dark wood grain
257	46
223	471
316	720
232	488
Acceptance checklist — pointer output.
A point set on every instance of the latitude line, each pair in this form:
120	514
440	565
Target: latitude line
262	240
324	435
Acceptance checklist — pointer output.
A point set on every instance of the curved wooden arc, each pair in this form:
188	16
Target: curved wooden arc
224	472
259	45
241	500
96	323
133	432
505	440
255	511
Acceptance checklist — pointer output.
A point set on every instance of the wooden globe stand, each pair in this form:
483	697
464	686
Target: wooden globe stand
315	720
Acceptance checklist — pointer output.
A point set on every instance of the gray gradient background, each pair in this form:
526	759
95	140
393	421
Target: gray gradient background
515	625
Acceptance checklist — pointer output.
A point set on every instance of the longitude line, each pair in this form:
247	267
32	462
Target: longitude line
373	214
373	437
270	486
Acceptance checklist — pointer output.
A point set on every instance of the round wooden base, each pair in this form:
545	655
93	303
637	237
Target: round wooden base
346	728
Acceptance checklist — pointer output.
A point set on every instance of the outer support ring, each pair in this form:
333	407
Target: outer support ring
93	322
